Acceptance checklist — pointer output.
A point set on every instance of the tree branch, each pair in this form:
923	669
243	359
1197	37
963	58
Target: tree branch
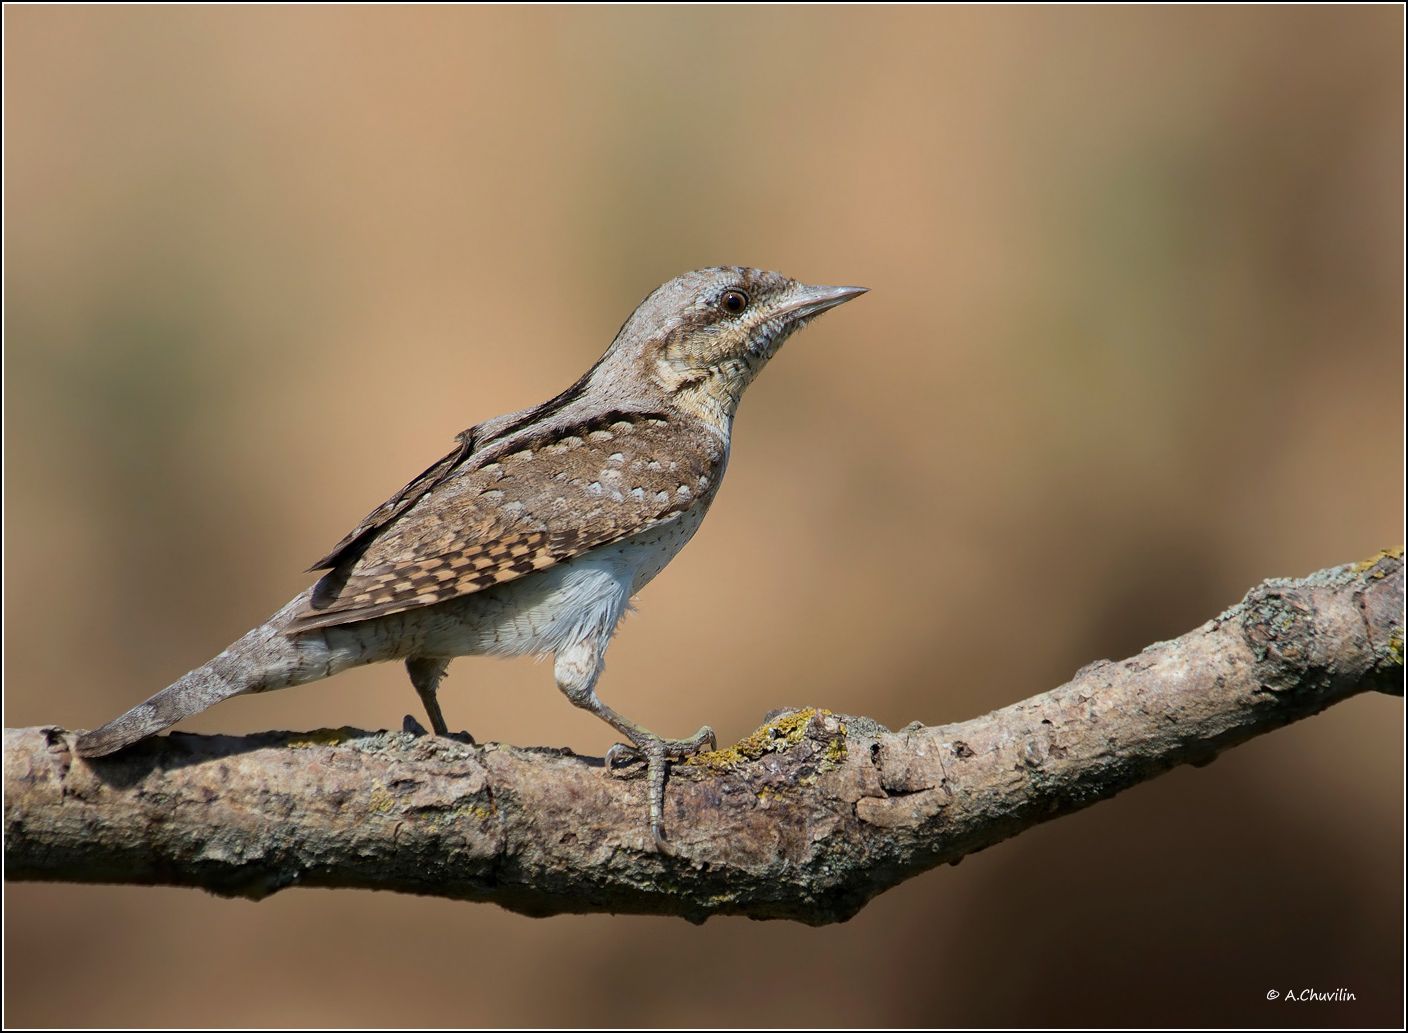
808	818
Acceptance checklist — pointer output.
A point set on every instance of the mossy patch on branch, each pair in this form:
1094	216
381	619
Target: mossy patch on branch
1372	561
781	733
325	737
382	800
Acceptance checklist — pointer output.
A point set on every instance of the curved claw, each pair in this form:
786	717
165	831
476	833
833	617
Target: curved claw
657	763
663	845
657	754
622	756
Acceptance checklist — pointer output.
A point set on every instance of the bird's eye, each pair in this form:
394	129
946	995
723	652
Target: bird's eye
733	301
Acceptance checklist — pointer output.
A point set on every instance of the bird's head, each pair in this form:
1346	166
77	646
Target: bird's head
702	337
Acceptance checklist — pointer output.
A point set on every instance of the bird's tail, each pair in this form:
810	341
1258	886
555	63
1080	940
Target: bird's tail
264	659
198	690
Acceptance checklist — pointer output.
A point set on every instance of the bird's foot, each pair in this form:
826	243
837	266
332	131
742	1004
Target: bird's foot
657	754
646	744
410	725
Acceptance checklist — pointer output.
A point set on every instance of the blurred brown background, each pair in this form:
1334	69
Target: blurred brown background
1133	344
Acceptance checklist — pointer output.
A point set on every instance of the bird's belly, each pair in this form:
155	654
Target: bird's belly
544	612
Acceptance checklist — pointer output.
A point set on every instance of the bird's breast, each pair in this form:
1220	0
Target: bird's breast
644	555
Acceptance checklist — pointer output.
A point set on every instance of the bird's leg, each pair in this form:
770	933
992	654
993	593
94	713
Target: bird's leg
426	673
577	668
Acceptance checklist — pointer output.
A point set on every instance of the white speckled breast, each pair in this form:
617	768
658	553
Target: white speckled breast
645	555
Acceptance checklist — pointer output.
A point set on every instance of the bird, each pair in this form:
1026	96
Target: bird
532	535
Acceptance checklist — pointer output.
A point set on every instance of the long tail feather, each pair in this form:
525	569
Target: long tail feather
264	659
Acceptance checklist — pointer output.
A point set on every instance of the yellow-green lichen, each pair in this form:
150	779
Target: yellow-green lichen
777	735
1363	565
323	737
382	800
1395	648
477	811
456	817
835	750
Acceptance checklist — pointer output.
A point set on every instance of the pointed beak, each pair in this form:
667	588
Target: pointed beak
810	301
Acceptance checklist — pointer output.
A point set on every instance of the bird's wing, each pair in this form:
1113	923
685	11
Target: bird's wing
397	504
482	525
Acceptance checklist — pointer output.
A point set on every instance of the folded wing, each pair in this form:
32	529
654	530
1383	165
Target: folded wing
469	523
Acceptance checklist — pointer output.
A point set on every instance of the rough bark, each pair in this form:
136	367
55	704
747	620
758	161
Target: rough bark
808	818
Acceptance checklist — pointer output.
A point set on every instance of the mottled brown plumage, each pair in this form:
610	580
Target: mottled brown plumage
470	524
534	532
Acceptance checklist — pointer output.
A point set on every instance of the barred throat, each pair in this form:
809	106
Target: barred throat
712	394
